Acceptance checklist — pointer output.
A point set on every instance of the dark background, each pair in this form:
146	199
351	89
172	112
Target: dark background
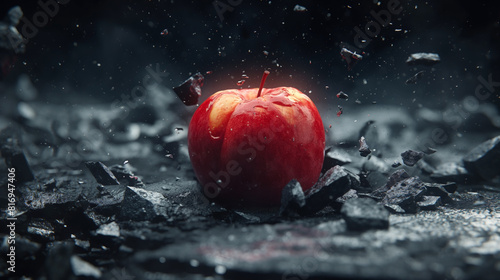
124	37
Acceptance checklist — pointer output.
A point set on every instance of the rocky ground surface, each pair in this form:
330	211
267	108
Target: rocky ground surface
103	193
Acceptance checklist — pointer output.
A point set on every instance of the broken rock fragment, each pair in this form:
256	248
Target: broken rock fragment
484	159
101	173
364	214
335	157
15	158
364	150
429	202
397	176
441	190
427	59
142	205
332	185
125	175
411	157
405	194
190	90
292	198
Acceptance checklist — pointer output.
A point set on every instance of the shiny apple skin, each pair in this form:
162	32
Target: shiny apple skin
245	149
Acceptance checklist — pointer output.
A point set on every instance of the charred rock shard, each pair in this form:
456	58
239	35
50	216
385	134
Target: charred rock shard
142	205
396	164
396	177
440	190
125	175
406	193
428	59
190	90
332	185
15	158
411	157
484	160
364	214
351	57
364	150
101	173
429	202
292	198
335	157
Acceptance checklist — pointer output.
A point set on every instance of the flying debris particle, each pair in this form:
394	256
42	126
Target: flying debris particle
411	157
342	95
169	155
265	52
415	78
428	59
244	76
364	150
340	111
190	90
164	32
350	57
357	101
299	9
240	83
396	164
208	72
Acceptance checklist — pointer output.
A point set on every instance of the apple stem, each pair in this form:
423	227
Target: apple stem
264	76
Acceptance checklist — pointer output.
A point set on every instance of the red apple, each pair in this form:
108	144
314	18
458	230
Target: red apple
245	145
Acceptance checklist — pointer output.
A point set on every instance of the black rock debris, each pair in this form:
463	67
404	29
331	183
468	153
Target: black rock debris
364	214
405	194
351	57
429	202
333	184
101	173
292	198
364	150
484	159
411	157
335	157
190	90
15	158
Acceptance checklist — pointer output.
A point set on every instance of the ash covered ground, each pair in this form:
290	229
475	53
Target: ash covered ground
104	188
